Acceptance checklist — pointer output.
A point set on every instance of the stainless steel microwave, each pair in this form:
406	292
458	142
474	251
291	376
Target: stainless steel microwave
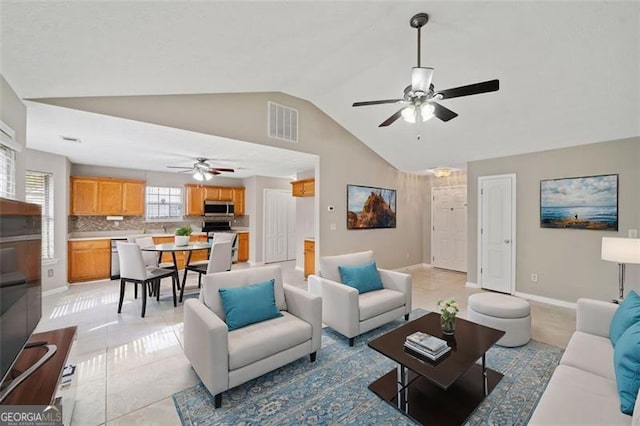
218	208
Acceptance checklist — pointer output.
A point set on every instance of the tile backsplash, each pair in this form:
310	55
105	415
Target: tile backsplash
138	223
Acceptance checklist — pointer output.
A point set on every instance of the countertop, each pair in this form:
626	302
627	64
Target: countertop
109	235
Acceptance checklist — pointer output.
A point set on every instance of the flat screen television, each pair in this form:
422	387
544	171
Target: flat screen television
20	282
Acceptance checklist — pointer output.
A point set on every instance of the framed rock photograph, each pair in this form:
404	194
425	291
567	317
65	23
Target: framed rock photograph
589	202
370	207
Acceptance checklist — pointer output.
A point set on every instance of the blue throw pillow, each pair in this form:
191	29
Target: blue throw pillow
249	305
628	313
626	362
364	278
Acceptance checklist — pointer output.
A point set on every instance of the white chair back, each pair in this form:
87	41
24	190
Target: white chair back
220	257
131	262
144	241
225	236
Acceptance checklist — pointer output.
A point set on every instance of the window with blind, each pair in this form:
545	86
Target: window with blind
163	203
39	190
7	172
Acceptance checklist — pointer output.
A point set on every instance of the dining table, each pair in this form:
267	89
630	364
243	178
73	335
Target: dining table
173	248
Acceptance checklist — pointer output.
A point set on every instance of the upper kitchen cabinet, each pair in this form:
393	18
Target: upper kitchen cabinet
197	194
84	196
96	196
238	201
303	188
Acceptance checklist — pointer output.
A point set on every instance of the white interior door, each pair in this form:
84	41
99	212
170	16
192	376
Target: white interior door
279	226
449	228
496	237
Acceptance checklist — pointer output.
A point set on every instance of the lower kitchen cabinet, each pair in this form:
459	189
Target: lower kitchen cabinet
243	246
89	260
309	257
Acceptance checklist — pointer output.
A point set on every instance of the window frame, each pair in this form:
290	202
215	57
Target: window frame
174	200
47	205
7	172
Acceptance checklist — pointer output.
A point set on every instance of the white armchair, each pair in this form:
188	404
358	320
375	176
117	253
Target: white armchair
350	313
224	359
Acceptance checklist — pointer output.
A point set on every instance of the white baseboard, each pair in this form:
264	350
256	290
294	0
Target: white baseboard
252	263
471	285
299	268
546	300
412	267
55	290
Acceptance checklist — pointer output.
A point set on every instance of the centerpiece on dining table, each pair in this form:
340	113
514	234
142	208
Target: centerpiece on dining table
182	235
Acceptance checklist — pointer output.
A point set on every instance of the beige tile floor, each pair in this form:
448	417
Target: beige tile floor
128	367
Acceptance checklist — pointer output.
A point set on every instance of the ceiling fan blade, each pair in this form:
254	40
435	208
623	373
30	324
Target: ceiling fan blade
444	114
179	167
421	79
471	89
391	119
222	169
384	101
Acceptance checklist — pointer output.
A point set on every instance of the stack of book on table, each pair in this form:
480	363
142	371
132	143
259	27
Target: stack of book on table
427	345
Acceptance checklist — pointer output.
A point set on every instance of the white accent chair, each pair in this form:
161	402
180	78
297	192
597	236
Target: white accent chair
133	269
350	313
150	257
224	359
219	261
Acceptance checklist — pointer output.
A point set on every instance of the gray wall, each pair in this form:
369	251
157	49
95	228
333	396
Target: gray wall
14	114
567	261
59	167
343	160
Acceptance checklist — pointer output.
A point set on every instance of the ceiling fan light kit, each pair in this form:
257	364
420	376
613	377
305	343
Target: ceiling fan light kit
441	172
201	170
421	97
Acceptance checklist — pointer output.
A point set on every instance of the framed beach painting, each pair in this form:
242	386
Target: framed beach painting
589	202
370	207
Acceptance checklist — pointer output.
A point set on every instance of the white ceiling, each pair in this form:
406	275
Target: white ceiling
569	71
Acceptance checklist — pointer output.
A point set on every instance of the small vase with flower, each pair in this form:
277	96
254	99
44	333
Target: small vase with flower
448	311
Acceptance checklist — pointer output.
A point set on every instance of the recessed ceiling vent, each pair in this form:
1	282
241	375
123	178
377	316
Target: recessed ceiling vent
70	139
283	122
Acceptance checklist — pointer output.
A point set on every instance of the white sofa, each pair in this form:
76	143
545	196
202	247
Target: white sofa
583	387
350	313
225	359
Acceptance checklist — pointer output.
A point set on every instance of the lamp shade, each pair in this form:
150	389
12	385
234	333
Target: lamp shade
621	250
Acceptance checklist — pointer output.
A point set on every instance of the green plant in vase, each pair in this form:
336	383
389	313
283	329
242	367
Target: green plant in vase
448	311
182	235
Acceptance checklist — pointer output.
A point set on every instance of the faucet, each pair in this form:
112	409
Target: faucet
164	229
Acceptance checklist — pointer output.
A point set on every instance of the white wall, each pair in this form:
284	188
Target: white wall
567	261
59	167
343	160
14	114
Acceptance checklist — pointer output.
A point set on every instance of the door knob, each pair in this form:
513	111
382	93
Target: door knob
507	241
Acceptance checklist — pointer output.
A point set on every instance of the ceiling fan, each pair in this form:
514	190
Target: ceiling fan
202	170
420	97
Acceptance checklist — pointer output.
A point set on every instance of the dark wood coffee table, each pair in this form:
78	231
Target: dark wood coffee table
445	391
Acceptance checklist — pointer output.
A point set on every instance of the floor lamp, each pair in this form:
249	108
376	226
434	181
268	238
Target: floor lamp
622	251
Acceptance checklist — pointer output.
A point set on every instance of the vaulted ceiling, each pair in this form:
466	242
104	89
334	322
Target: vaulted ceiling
569	71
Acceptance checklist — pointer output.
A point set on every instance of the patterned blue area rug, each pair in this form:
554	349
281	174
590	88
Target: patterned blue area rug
333	390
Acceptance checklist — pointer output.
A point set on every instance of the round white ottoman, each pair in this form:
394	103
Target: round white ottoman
508	313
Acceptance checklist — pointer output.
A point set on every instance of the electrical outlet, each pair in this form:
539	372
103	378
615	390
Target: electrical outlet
534	278
50	273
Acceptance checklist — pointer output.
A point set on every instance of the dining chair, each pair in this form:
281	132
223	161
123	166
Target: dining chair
219	261
133	269
150	258
227	236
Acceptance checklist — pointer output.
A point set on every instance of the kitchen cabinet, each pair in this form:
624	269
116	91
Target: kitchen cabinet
197	194
309	257
97	196
133	198
84	196
238	201
243	246
303	188
89	260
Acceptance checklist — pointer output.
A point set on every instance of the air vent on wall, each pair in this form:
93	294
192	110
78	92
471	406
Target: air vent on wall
70	139
283	122
8	137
